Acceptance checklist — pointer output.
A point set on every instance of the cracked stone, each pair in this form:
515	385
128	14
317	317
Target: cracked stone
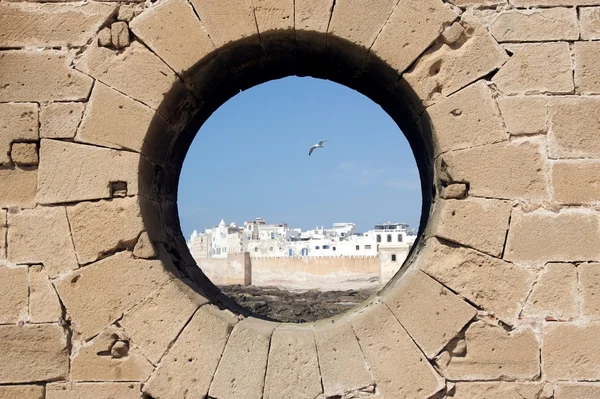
44	306
454	191
227	24
555	293
144	247
18	122
119	33
105	37
60	120
24	154
546	24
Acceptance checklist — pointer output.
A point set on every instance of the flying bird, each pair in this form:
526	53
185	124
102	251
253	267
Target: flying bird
319	145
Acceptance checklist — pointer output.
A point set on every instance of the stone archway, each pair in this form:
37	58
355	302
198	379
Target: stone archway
100	101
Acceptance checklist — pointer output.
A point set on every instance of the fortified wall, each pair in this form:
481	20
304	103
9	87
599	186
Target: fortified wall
500	297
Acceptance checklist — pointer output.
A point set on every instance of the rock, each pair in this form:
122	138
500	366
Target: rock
574	390
86	390
524	114
44	306
590	22
589	276
144	247
105	37
555	294
569	351
18	122
574	129
119	33
22	392
499	390
454	191
15	295
545	24
60	120
24	154
587	77
18	187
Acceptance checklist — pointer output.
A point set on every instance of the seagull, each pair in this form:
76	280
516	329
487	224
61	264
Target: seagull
320	145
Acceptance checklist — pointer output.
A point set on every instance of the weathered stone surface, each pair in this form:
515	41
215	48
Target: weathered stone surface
589	276
467	3
30	75
18	122
189	366
119	34
503	170
582	390
555	293
590	22
97	295
22	392
569	235
587	76
44	306
444	69
554	3
544	24
14	298
144	248
173	31
226	24
454	191
569	351
493	353
241	371
51	25
42	235
24	154
475	222
524	114
3	234
499	390
430	313
293	366
95	361
60	120
129	11
466	119
33	353
536	68
18	187
384	341
274	15
107	390
574	127
337	345
495	285
312	16
154	324
105	37
74	172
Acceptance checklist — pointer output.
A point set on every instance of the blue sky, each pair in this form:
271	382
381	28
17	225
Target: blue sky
250	159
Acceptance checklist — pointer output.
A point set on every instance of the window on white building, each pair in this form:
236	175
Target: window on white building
333	248
317	247
326	247
358	247
367	246
399	237
393	257
389	238
378	237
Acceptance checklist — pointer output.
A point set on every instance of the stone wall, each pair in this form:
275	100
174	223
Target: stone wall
99	102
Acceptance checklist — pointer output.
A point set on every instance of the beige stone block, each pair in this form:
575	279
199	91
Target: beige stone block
241	371
495	285
3	234
60	120
98	294
502	170
454	191
18	187
15	292
33	353
587	76
466	119
582	390
555	294
44	306
46	77
475	222
545	236
51	25
445	315
173	31
554	3
444	69
570	351
22	392
573	127
546	24
129	11
18	122
467	3
70	172
24	154
105	390
272	15
499	390
144	248
155	324
105	37
312	16
42	235
589	276
337	345
494	353
293	366
524	114
536	68
397	364
227	24
590	22
188	368
119	34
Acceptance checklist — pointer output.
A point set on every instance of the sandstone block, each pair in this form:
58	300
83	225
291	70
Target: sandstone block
119	34
60	120
555	294
582	390
42	235
71	172
503	170
24	154
544	24
554	3
524	115
590	22
22	392
569	351
189	366
144	248
46	77
100	293
587	76
173	31
384	341
454	191
18	187
226	24
536	68
589	276
107	390
51	25
336	345
293	366
544	236
493	353
3	234
105	37
476	222
33	353
272	15
466	119
467	3
430	313
575	182
129	11
495	285
154	324
44	306
241	371
18	122
312	16
15	292
574	128
499	390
